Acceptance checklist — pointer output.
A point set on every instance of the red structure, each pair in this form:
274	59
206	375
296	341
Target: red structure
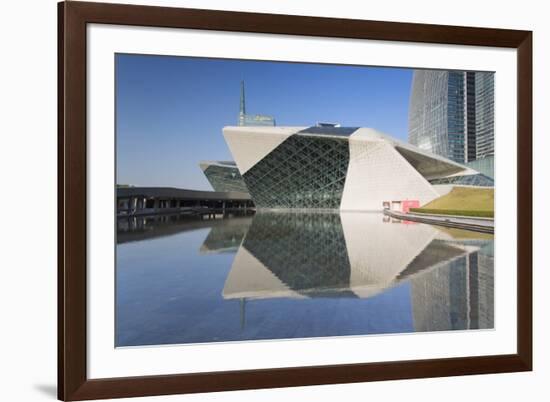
408	204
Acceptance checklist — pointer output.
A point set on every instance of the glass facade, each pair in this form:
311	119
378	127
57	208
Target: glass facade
304	171
330	130
451	113
470	116
225	177
456	117
485	165
485	115
470	180
428	111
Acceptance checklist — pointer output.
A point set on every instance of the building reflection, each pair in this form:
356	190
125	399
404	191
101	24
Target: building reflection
360	255
226	238
301	255
227	230
458	295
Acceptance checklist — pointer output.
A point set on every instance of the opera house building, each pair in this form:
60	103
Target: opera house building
345	168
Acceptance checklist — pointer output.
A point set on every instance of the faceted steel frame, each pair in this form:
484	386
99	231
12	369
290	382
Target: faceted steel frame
302	172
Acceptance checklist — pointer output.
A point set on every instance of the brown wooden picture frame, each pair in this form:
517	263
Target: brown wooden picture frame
73	383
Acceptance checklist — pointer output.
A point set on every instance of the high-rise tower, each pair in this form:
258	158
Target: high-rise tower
252	119
242	109
450	114
485	115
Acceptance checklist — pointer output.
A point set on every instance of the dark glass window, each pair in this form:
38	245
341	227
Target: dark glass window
304	171
470	180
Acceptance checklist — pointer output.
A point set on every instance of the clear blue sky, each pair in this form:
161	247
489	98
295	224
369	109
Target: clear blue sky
170	110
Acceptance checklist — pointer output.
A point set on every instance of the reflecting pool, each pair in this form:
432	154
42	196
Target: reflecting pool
276	275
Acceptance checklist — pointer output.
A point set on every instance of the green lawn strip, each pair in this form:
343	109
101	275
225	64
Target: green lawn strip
465	198
456	212
462	201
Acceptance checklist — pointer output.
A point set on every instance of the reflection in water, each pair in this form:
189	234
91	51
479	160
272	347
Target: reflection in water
298	275
290	254
135	228
460	296
226	238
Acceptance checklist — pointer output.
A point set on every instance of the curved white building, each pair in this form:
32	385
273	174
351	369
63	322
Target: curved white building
345	168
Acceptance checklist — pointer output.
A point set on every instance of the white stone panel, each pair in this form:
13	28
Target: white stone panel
378	173
249	145
372	134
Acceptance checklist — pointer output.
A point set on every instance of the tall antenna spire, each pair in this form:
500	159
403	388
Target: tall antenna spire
242	110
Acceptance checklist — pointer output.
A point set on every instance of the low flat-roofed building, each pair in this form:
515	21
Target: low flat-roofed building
257	120
165	200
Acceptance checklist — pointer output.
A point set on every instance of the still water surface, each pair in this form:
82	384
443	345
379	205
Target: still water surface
296	275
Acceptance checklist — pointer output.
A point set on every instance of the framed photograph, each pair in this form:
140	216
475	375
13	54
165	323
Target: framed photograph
253	200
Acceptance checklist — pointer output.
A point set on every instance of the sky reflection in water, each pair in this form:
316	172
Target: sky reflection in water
296	275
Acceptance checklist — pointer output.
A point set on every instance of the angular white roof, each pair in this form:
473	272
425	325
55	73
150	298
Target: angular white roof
250	144
428	164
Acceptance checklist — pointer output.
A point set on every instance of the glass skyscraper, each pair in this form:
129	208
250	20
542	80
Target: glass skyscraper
451	114
485	114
